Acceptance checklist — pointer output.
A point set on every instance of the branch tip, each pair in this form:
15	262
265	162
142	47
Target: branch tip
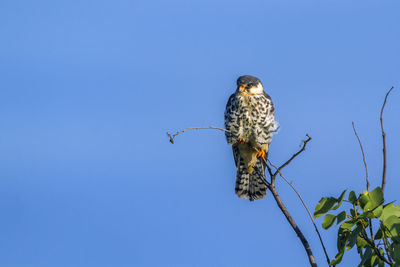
384	141
363	155
171	139
289	160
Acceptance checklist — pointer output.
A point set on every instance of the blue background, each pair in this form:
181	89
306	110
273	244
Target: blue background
88	90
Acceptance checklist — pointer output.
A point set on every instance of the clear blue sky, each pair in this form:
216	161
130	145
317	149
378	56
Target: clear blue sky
88	90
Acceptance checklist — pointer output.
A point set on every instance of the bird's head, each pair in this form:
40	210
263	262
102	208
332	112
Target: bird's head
249	85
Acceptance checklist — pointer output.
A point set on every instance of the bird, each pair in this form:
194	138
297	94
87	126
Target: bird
250	123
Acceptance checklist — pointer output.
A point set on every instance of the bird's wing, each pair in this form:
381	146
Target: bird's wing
231	120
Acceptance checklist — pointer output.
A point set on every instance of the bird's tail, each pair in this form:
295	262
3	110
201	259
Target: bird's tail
250	185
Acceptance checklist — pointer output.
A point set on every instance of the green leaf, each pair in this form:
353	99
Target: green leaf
371	200
376	196
384	231
378	234
353	237
364	199
341	217
342	236
389	210
361	243
378	211
348	224
373	261
391	220
352	197
367	255
339	200
329	219
324	205
338	258
396	252
353	214
393	224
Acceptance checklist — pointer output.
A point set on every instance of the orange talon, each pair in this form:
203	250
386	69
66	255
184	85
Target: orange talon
241	140
261	154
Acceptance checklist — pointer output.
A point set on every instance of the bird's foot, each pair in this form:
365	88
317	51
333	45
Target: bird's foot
241	140
261	153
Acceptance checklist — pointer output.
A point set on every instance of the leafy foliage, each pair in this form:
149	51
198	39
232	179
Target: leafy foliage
355	227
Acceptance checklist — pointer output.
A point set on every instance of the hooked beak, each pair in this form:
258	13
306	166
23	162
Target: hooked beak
242	88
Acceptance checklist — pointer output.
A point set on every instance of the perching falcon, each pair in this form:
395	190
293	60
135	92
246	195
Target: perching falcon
249	118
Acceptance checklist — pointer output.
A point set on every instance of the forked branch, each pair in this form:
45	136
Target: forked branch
305	206
271	187
273	177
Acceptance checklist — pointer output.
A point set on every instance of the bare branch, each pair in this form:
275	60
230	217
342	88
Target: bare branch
289	218
272	188
291	158
384	142
308	211
386	245
363	155
172	137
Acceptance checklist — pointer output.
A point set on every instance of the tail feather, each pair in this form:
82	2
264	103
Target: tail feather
250	185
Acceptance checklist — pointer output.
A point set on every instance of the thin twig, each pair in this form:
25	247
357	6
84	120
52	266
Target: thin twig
305	206
371	242
386	246
363	155
374	247
172	137
291	158
268	168
384	142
